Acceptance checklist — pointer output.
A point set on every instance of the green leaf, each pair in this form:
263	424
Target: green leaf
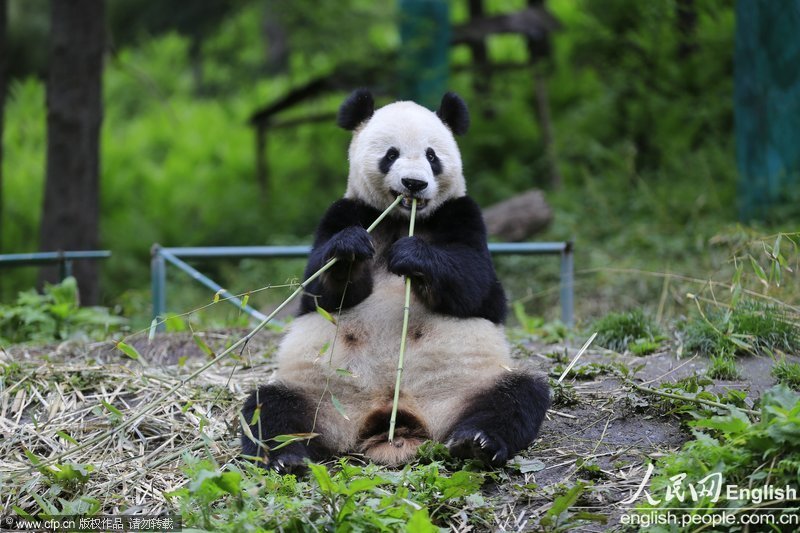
344	372
420	522
111	409
64	435
256	415
203	346
563	503
286	440
339	407
323	479
229	482
35	461
758	270
152	332
245	299
217	295
734	424
129	350
326	315
461	483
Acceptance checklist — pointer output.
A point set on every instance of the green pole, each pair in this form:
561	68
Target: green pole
424	58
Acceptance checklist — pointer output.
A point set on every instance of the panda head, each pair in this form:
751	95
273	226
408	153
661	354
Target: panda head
404	149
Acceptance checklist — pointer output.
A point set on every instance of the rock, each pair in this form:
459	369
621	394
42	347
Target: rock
520	217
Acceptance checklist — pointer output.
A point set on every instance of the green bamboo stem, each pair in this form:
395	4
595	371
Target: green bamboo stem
404	334
152	406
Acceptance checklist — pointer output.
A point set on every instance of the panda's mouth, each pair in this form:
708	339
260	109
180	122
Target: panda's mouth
405	203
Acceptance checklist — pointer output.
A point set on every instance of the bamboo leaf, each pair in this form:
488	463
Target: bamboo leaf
326	315
152	333
203	346
129	350
759	271
256	415
338	405
66	436
113	410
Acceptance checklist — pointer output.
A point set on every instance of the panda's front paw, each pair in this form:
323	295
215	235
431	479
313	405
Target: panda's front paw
409	256
289	462
477	444
352	244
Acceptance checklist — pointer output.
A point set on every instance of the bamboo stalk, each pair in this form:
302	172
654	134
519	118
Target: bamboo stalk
224	354
404	334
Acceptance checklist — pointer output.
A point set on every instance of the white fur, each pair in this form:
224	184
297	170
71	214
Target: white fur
452	361
412	129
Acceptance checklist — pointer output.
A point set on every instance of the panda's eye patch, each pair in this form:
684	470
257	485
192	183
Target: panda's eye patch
436	164
386	161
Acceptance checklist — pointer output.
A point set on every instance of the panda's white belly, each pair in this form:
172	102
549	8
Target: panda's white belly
447	359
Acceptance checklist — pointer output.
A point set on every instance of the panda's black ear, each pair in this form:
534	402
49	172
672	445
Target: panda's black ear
453	112
358	107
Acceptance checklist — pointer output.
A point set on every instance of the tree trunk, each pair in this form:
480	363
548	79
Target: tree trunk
3	82
74	114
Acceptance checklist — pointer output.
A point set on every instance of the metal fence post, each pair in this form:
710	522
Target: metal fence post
158	273
567	286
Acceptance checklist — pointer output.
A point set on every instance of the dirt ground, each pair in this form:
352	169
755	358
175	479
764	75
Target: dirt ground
604	434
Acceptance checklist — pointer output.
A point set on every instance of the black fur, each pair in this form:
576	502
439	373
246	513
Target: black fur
433	159
500	422
341	233
450	265
453	112
357	108
284	411
388	160
448	260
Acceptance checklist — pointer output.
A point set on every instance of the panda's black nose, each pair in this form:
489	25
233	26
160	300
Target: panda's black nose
414	185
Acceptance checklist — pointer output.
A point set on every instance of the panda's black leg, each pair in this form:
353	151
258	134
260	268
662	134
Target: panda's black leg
502	420
282	410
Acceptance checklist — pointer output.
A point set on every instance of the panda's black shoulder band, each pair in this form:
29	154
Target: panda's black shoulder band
453	112
357	108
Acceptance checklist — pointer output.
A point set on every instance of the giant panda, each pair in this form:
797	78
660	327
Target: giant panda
337	380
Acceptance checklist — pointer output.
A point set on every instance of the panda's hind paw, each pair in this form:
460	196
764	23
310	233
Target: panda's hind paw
477	444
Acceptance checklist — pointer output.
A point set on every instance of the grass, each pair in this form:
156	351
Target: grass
787	373
621	331
724	367
752	327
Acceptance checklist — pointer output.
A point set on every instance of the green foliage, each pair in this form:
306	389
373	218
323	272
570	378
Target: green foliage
548	332
752	327
619	331
347	498
745	453
54	315
787	373
723	366
178	161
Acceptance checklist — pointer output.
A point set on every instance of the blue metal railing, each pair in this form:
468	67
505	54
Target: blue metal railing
161	256
64	259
